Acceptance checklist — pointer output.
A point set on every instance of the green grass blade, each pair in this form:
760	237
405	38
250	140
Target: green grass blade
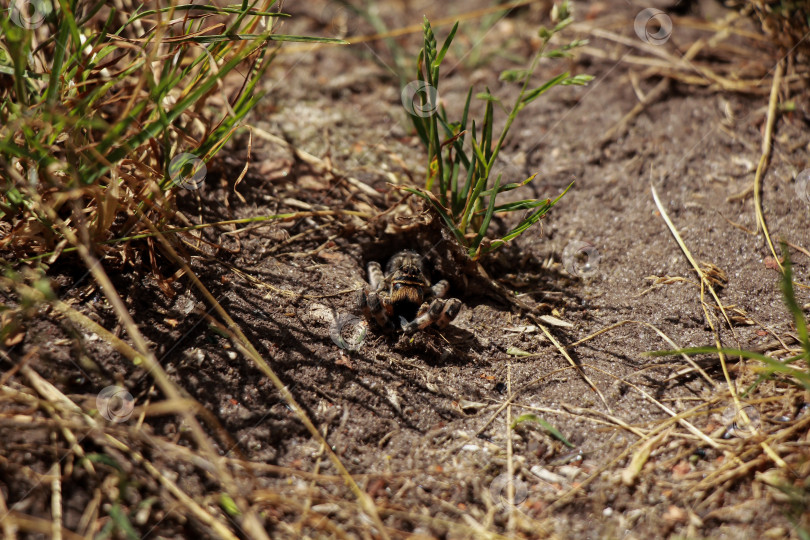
486	96
542	89
554	432
60	50
439	57
481	159
122	523
513	75
24	74
90	13
487	218
533	218
17	41
508	187
461	156
525	204
247	99
67	8
420	123
225	38
214	10
453	183
437	156
457	140
158	126
792	304
67	30
8	148
245	10
774	366
577	80
536	216
465	192
486	131
465	114
480	184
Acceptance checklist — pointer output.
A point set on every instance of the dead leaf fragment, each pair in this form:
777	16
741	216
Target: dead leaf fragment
772	263
554	321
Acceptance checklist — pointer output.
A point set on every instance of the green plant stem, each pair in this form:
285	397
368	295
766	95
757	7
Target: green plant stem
489	163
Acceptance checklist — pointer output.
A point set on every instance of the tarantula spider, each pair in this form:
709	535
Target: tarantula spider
403	297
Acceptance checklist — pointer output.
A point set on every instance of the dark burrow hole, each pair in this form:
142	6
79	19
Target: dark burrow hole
444	259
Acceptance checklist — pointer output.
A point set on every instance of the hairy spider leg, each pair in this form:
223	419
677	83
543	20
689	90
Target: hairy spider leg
440	312
375	276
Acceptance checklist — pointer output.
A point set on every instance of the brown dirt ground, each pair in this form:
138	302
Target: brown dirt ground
409	417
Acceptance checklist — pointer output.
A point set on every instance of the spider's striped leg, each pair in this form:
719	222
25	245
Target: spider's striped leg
362	303
375	308
440	289
439	311
451	308
375	276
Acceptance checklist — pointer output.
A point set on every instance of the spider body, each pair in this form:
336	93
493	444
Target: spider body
403	299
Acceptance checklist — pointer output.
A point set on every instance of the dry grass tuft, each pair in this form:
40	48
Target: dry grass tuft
787	24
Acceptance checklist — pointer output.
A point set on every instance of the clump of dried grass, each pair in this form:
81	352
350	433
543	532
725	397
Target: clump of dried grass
109	112
786	22
96	102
